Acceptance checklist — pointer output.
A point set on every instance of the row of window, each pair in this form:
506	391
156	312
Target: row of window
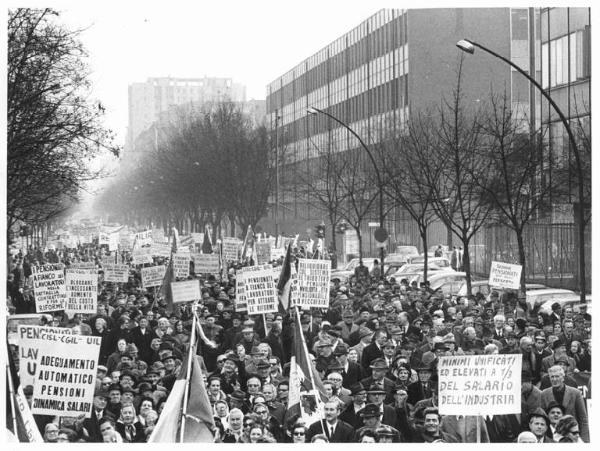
566	59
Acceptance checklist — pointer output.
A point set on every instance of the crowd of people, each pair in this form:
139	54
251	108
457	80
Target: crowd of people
375	351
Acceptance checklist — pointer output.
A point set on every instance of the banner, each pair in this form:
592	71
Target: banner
181	265
116	273
187	290
153	276
65	376
240	286
113	241
126	239
141	255
143	238
277	253
28	351
206	264
260	292
161	250
480	384
158	236
81	286
103	238
48	287
198	238
263	252
313	283
231	248
82	265
505	275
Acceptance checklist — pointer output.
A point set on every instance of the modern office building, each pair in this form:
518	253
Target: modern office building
399	63
395	64
149	99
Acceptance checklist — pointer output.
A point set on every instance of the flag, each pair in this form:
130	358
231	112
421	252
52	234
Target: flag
19	415
165	288
285	280
196	417
207	242
248	245
306	388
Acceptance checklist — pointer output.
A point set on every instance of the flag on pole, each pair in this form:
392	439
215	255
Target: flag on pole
23	425
207	247
248	245
284	284
306	388
165	288
187	415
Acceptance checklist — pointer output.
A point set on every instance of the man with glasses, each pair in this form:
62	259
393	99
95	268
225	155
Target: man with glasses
342	393
274	426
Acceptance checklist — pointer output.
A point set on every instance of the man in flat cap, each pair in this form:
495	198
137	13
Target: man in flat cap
379	368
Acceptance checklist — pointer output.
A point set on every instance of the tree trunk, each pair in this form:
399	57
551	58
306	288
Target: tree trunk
426	257
333	247
467	262
521	246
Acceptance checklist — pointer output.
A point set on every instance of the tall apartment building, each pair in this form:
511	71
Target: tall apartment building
149	99
388	68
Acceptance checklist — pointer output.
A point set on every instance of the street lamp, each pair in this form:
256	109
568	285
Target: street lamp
380	233
468	46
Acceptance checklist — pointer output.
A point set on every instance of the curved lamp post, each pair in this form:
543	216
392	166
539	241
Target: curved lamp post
313	110
467	45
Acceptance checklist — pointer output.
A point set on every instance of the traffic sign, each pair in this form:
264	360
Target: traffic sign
381	234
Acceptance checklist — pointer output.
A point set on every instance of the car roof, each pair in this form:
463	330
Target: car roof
544	291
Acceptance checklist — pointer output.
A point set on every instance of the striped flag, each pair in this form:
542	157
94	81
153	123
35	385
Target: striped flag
306	388
22	426
187	406
284	284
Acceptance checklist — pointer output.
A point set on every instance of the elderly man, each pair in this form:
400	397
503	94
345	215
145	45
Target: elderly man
568	397
559	350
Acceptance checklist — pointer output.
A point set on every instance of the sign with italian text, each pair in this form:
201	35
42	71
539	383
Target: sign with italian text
65	376
181	265
480	384
206	264
260	292
240	286
153	276
81	291
505	275
116	273
313	283
263	252
231	248
143	238
48	287
185	291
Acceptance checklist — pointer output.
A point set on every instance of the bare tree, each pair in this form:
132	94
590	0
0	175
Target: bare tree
53	129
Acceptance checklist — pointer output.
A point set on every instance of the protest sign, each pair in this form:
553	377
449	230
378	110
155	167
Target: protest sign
116	273
153	276
29	352
158	236
260	292
81	286
48	287
313	283
277	253
141	255
206	264
82	265
263	253
143	238
505	275
103	238
161	250
113	241
126	239
197	238
240	286
181	264
65	376
187	290
480	384
231	247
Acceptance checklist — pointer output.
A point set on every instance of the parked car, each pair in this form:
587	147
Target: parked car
403	252
566	301
348	271
441	262
536	298
477	286
452	281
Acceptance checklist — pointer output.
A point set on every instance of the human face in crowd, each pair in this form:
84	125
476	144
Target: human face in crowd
214	386
248	335
379	374
353	356
299	434
229	367
568	327
121	345
336	379
108	431
127	397
126	381
253	386
575	347
99	325
403	374
431	424
557	328
376	398
557	376
145	407
554	414
538	426
381	338
388	350
400	396
128	414
568	312
115	396
99	402
263	412
143	323
221	409
263	348
282	392
235	420
270	392
150	316
328	388
255	434
498	322
169	364
115	376
540	344
331	411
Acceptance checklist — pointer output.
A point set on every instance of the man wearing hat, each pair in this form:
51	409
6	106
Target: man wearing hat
568	397
350	371
379	368
370	419
374	350
347	325
364	335
559	349
92	424
376	395
358	393
538	353
421	389
531	396
538	423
